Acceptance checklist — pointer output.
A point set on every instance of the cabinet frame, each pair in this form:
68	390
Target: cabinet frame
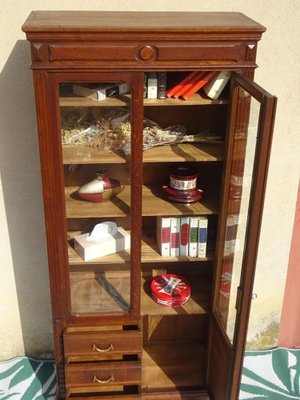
74	46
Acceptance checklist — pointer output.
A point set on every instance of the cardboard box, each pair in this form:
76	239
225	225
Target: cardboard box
90	249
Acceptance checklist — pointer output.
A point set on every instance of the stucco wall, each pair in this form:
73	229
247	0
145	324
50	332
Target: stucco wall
24	288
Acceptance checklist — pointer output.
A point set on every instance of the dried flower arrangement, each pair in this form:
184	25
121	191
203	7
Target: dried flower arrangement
112	130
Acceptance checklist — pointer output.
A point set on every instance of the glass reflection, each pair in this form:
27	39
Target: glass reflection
95	136
238	207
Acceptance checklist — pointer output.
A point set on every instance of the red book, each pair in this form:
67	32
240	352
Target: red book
186	95
189	84
175	232
184	236
174	89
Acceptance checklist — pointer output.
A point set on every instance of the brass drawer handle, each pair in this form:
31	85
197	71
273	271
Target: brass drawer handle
95	348
110	379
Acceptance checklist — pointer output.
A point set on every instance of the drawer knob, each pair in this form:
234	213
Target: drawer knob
110	379
95	348
146	53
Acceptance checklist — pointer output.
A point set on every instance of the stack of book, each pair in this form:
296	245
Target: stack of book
212	83
155	84
182	236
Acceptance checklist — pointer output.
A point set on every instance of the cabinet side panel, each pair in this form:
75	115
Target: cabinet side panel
53	194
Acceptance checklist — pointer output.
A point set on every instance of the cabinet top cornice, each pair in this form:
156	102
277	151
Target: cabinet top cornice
128	21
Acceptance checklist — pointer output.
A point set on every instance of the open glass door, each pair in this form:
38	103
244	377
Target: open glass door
250	127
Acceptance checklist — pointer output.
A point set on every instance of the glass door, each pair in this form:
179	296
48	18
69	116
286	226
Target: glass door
248	147
99	135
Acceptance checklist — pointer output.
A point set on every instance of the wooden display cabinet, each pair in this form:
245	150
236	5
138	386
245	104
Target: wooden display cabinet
112	341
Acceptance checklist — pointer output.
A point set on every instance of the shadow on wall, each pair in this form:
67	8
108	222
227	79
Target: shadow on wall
20	173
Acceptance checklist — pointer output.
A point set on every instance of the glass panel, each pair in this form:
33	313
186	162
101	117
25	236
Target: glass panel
95	132
238	207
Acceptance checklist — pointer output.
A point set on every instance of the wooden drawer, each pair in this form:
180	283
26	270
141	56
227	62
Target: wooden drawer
102	374
101	344
134	53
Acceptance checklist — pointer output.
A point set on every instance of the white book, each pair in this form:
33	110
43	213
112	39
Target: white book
193	242
184	236
175	231
152	85
214	88
163	235
202	237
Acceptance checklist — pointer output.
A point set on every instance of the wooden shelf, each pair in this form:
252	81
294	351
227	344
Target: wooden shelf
185	152
120	101
90	155
198	303
169	364
150	254
197	99
153	203
109	291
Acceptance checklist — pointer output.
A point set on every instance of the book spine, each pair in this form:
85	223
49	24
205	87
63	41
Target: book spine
230	235
161	85
175	231
184	236
193	242
174	89
186	95
189	84
202	237
145	84
152	85
163	236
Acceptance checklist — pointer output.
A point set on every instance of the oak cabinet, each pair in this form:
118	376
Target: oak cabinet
111	339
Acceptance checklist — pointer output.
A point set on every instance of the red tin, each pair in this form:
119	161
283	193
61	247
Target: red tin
170	290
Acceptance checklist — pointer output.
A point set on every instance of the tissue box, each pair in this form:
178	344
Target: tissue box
90	249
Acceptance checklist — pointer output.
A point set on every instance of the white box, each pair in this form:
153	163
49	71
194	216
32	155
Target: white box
90	249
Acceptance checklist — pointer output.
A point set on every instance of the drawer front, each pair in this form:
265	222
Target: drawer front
141	54
104	374
100	344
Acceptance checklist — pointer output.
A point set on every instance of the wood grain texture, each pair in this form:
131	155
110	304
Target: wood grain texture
82	374
101	345
172	365
169	153
154	203
85	21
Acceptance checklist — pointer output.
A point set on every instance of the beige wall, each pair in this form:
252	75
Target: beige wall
24	289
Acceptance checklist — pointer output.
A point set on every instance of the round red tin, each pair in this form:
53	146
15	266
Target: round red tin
170	290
